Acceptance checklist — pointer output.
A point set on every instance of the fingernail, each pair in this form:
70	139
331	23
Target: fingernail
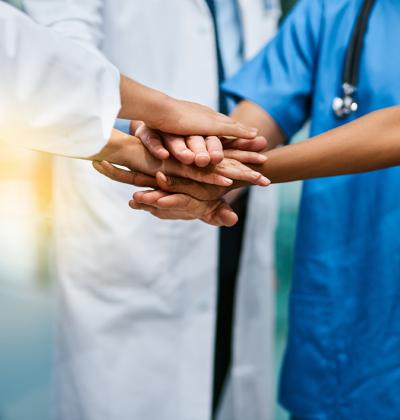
202	159
189	156
264	182
255	175
251	129
226	181
163	153
262	158
163	177
217	155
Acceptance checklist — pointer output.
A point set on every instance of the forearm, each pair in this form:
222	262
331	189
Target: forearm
137	100
370	143
251	115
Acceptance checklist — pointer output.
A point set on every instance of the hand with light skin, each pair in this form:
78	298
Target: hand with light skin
169	115
369	143
128	151
198	150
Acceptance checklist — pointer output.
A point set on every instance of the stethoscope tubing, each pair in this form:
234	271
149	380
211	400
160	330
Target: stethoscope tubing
347	103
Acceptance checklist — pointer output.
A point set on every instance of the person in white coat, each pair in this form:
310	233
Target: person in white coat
60	98
52	94
137	322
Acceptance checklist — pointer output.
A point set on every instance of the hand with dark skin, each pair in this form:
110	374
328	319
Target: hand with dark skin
246	111
198	150
369	143
128	151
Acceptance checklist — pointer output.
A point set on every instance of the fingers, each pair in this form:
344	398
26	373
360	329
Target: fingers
161	214
197	144
207	175
238	171
178	148
257	144
168	202
151	140
149	197
224	216
236	129
215	149
245	157
231	128
192	188
124	176
216	213
175	201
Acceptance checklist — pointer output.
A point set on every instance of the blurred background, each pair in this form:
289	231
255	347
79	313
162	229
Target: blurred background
27	306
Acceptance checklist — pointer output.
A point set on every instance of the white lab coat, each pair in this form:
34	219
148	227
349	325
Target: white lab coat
138	294
54	97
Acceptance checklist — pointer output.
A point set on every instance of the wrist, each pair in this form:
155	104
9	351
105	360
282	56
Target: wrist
120	149
157	111
140	102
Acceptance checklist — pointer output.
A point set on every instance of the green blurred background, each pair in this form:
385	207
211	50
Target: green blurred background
27	311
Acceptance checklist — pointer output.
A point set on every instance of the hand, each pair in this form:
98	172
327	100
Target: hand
178	199
164	205
188	118
216	212
208	207
128	151
169	115
199	150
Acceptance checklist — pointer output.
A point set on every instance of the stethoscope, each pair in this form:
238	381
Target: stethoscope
347	104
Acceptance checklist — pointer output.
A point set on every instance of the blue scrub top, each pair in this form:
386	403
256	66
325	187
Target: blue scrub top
343	355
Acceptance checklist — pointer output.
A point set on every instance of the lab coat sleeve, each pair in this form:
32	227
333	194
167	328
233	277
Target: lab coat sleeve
56	96
280	78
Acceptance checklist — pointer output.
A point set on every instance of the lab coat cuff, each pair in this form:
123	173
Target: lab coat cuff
123	125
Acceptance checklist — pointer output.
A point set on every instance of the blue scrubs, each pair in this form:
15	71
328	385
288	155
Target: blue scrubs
343	355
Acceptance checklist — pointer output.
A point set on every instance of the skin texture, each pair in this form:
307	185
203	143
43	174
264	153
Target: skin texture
128	151
169	115
198	150
247	112
370	143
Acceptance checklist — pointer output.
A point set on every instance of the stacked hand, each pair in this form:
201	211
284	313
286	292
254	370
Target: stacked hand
188	175
198	150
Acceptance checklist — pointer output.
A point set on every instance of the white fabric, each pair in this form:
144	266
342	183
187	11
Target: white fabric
138	294
55	96
229	35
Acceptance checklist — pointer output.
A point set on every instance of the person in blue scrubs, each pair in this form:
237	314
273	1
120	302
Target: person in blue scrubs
343	354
